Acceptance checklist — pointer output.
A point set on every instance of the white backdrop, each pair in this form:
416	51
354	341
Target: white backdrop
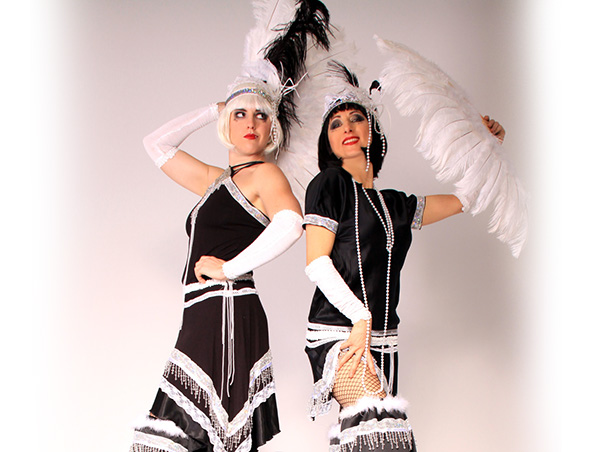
99	250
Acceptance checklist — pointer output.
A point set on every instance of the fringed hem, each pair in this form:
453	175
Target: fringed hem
320	400
205	407
383	440
233	436
374	423
264	378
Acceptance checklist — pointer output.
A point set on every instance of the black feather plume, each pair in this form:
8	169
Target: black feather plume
340	70
288	52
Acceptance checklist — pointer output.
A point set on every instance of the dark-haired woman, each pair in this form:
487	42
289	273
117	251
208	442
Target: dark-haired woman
357	238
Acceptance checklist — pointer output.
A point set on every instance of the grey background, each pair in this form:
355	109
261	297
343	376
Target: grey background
95	261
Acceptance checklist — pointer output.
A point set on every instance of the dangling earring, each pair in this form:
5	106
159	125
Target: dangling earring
382	138
274	137
274	133
369	143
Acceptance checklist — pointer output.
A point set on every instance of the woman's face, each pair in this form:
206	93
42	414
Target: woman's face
348	134
249	130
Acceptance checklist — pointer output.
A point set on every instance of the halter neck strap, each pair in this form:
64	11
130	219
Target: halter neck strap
236	168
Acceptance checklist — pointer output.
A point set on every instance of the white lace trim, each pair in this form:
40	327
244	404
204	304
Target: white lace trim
194	287
144	442
320	400
240	440
220	293
244	202
224	434
319	334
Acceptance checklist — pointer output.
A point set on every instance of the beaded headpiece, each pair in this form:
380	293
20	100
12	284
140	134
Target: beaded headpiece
252	90
346	90
275	54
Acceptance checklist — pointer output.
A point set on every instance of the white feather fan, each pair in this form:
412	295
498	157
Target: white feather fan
453	138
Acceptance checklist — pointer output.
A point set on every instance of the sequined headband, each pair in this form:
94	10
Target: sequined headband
349	97
358	97
251	90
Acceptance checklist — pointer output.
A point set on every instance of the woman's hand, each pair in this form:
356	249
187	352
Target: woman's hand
494	127
356	348
209	266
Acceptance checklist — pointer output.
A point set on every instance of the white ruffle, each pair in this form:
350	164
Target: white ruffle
390	404
159	425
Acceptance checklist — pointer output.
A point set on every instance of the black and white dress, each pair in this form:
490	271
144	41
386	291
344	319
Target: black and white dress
217	392
331	203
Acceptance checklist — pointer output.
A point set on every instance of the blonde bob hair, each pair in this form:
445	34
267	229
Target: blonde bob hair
248	101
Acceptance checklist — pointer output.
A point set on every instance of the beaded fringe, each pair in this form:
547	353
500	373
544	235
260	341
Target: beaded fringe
233	441
320	404
148	442
322	392
378	440
373	424
144	448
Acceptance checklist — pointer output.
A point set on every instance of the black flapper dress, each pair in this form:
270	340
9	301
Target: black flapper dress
217	392
331	203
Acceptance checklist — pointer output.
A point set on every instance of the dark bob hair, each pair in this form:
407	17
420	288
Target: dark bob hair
326	157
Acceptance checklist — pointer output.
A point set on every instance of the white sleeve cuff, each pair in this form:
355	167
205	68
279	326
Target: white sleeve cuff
322	272
162	144
283	231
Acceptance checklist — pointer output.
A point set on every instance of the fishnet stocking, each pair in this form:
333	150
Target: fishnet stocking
347	391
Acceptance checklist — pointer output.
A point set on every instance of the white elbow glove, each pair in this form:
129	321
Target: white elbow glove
322	272
285	228
164	142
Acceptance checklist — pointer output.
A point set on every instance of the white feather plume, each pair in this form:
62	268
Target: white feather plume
300	162
269	16
453	138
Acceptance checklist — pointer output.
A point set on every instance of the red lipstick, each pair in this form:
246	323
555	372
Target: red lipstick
350	140
250	136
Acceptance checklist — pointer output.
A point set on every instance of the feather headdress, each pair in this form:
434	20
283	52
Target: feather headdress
453	138
299	162
275	53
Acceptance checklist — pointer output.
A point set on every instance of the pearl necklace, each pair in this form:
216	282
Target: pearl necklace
387	225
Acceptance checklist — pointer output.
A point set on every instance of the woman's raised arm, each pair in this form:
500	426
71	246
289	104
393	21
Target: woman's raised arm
162	146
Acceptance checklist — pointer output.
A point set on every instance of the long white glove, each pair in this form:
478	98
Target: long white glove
322	272
164	142
281	233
